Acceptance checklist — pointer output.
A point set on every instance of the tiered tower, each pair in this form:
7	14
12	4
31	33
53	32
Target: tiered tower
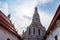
35	30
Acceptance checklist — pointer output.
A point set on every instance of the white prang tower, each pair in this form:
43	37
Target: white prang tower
35	30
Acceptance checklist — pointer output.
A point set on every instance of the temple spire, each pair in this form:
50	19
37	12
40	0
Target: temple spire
36	17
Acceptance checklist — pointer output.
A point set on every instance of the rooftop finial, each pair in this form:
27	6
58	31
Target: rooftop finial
9	16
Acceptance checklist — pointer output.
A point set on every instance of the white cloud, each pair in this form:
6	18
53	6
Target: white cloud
44	1
21	23
4	7
26	8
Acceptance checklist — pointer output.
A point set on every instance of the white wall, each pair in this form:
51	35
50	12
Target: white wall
31	31
33	36
4	34
55	32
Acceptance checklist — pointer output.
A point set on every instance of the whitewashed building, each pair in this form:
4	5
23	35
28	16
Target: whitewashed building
7	30
35	30
53	31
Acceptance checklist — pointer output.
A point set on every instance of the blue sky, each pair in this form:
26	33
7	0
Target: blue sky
22	11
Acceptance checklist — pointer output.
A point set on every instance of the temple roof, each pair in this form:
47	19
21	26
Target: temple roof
6	23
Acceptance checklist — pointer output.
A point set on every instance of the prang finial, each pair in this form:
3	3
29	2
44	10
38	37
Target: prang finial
36	9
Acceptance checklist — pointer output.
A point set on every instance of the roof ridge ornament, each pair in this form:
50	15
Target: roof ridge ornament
9	16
